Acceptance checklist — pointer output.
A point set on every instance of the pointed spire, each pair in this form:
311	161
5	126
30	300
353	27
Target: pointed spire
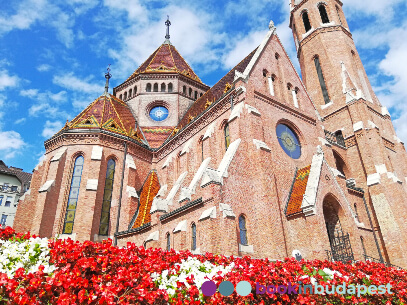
167	36
107	76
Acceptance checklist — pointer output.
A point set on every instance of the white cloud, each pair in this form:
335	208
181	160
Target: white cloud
51	128
71	82
11	144
384	9
44	68
20	121
7	80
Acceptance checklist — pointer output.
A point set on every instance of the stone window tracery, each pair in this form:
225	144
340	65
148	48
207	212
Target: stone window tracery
288	141
107	198
73	196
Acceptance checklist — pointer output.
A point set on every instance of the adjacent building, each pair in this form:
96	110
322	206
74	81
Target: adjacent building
13	185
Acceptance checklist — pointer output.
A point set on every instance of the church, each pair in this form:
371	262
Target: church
263	163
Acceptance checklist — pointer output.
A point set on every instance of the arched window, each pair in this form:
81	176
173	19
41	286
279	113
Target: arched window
73	196
200	94
148	87
170	87
190	92
363	246
162	87
340	164
200	143
107	198
356	211
193	240
295	98
130	93
339	138
155	87
125	95
243	231
323	13
168	237
135	90
305	19
121	96
184	89
321	80
227	135
272	79
196	95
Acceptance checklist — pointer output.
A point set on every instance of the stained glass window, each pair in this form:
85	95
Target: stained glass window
159	113
193	246
242	228
227	136
73	196
288	141
107	198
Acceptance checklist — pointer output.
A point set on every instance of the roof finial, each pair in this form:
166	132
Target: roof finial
167	36
107	76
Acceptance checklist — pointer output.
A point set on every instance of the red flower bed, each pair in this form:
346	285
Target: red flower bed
98	273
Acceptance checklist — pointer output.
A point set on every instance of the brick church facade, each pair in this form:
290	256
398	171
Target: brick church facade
262	163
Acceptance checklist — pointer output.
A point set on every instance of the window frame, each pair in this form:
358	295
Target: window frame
243	231
306	22
193	236
323	13
226	133
168	239
108	202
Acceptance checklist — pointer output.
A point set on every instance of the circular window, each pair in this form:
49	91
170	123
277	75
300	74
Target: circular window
159	113
288	141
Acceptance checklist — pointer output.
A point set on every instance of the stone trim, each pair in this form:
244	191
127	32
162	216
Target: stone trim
181	226
227	210
162	191
358	126
153	236
373	179
135	230
252	110
237	111
130	162
181	209
261	145
186	147
66	236
100	238
169	159
97	152
209	213
59	154
132	191
46	187
92	185
209	131
187	192
246	249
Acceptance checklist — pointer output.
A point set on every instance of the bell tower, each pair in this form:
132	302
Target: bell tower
358	127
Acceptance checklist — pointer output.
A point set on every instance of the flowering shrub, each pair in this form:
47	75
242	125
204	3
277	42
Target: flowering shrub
98	273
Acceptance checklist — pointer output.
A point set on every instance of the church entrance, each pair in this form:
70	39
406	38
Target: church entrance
341	249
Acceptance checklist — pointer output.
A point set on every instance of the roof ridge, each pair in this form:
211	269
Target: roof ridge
199	80
118	116
134	73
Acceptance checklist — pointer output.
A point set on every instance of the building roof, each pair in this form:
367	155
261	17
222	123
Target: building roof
298	191
109	113
214	93
25	178
156	136
148	192
166	59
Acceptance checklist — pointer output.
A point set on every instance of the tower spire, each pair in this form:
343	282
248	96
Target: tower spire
167	36
107	76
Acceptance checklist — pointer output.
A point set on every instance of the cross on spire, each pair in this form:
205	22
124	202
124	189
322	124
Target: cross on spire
168	23
107	76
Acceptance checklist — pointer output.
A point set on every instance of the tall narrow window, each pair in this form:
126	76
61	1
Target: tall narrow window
135	90
162	87
339	16
321	80
184	90
121	96
193	244
295	99
1	199
107	198
170	87
202	148
130	93
190	92
196	95
243	231
305	19
356	211
168	242
227	136
125	95
323	13
363	246
271	85
3	220
148	87
73	196
155	89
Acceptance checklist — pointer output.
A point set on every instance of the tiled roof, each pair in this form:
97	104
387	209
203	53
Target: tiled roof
25	178
166	59
156	136
109	113
214	93
298	191
149	191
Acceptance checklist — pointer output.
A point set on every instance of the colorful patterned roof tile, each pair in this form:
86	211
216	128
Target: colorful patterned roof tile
156	136
109	113
298	191
148	192
166	59
214	93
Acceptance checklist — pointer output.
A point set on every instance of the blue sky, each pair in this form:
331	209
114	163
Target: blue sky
54	53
